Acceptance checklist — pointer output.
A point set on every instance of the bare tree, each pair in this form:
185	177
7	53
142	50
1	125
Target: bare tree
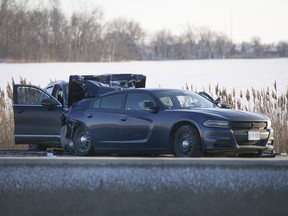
282	49
222	46
205	44
4	16
12	28
123	39
163	44
85	36
189	38
258	49
56	29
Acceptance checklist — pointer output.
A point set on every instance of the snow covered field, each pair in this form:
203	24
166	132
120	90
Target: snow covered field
240	74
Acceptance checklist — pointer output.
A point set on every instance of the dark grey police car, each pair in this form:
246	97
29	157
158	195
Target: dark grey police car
164	121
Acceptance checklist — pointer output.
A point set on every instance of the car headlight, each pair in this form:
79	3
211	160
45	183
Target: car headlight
216	123
269	124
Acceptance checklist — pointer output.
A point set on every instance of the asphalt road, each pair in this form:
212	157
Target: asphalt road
31	183
60	153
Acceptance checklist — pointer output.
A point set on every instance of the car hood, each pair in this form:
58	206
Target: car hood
229	114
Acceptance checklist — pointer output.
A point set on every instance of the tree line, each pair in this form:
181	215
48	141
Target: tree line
37	34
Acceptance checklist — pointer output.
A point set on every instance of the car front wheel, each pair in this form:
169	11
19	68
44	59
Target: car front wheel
82	142
187	142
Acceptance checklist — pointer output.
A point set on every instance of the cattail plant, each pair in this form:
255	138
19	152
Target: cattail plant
7	120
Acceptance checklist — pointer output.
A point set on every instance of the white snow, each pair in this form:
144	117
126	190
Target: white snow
238	74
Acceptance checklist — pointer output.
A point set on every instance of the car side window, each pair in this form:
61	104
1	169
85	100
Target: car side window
58	93
112	101
135	101
30	95
49	90
167	102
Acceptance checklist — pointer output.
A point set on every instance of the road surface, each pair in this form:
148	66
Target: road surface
35	184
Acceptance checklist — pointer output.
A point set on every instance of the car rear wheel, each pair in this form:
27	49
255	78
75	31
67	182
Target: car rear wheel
187	142
82	142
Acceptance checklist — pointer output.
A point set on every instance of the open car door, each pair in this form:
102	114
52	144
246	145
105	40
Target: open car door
36	116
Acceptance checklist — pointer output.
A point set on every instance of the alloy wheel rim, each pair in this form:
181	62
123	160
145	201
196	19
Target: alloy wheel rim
84	140
185	143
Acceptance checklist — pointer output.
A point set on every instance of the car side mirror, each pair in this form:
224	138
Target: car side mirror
150	106
225	106
217	101
221	105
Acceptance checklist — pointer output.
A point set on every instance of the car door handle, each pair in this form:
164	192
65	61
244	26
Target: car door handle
19	111
123	118
89	115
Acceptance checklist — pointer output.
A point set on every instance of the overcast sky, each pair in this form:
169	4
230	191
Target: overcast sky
238	19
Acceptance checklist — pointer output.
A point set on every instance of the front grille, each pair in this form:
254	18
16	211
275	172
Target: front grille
254	143
248	125
240	132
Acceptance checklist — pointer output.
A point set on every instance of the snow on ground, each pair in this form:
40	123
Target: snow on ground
238	74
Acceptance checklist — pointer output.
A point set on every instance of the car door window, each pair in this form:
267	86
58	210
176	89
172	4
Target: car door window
58	93
135	101
29	95
49	90
167	102
112	101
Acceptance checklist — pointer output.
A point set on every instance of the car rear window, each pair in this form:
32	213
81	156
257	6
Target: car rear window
112	101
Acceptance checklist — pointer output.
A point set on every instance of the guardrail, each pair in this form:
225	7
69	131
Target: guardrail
143	186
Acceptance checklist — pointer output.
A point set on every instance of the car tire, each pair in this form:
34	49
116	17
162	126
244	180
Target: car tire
187	142
82	142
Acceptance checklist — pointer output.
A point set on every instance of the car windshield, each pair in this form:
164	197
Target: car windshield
183	100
